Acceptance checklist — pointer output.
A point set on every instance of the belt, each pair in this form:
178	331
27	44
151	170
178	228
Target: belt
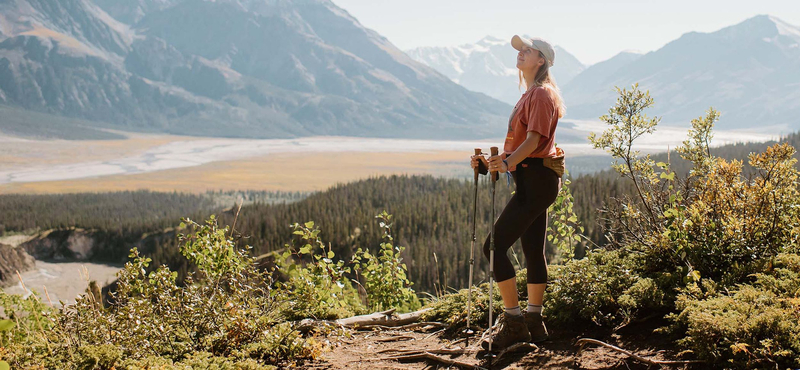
531	161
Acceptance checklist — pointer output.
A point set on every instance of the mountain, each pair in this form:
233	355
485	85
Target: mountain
599	72
234	68
490	66
750	72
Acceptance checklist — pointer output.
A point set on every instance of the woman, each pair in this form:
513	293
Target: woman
530	139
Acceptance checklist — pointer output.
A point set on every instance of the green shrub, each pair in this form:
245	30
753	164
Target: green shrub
451	309
753	326
385	279
604	288
230	315
318	283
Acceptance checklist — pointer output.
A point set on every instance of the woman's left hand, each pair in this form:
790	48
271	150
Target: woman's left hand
496	164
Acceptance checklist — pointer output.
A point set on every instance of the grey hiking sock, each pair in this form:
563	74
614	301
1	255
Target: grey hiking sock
515	311
534	308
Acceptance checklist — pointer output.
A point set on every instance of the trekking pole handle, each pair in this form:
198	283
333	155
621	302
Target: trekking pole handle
478	151
495	174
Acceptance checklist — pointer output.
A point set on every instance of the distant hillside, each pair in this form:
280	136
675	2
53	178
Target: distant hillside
749	71
233	68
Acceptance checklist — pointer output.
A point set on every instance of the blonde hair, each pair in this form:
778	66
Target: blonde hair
545	79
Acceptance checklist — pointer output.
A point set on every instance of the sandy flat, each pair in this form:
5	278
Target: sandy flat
22	154
286	172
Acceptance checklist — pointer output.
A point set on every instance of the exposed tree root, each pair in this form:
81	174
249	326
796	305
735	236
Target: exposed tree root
583	341
404	327
427	355
441	351
516	347
395	338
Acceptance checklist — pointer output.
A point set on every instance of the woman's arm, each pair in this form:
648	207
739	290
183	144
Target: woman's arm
524	150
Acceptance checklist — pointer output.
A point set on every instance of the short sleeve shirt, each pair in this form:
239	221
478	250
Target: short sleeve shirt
535	111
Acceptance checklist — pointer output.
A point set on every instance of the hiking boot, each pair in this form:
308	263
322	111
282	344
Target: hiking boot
510	329
536	327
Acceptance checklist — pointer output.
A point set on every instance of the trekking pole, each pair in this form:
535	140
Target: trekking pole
495	175
468	332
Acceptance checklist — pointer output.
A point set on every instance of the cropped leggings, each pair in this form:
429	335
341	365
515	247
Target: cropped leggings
525	217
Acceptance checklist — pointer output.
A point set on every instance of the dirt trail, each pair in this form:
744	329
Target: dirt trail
368	349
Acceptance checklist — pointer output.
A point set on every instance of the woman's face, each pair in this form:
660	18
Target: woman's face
528	59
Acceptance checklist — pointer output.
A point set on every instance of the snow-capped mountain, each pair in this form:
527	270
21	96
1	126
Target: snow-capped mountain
489	66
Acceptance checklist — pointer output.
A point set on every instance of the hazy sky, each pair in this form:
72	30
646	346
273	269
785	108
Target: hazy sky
592	30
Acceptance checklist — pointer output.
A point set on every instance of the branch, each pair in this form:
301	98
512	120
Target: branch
384	318
583	341
426	355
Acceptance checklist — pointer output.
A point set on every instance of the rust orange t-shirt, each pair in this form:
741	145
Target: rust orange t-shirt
535	111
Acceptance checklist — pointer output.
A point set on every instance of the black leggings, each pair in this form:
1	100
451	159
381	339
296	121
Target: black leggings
525	216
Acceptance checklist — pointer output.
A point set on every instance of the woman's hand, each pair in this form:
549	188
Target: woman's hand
475	158
496	164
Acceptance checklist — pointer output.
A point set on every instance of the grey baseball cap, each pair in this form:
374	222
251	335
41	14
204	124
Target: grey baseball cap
535	43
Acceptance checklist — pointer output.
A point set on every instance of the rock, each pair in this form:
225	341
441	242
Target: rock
13	259
62	245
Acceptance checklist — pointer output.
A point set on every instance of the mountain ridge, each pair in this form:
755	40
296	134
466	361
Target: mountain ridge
236	68
750	71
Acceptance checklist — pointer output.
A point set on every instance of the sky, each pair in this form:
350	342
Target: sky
591	30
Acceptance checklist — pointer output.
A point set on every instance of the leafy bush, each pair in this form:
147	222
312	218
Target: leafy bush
451	308
386	282
689	239
229	315
320	287
753	326
565	229
604	288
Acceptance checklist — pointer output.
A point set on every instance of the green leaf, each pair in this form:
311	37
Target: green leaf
4	365
6	325
331	254
310	224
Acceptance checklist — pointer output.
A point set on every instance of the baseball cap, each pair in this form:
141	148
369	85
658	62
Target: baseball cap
535	43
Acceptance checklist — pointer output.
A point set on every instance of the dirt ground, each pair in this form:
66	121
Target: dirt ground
369	349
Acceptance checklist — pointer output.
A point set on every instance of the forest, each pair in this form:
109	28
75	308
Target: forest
435	216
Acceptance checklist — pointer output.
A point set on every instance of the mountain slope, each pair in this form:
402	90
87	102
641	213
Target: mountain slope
749	71
228	68
489	66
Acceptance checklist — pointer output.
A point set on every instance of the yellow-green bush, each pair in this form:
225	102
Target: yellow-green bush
718	247
230	315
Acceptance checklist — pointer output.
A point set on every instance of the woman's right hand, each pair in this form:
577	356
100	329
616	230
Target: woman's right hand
478	157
